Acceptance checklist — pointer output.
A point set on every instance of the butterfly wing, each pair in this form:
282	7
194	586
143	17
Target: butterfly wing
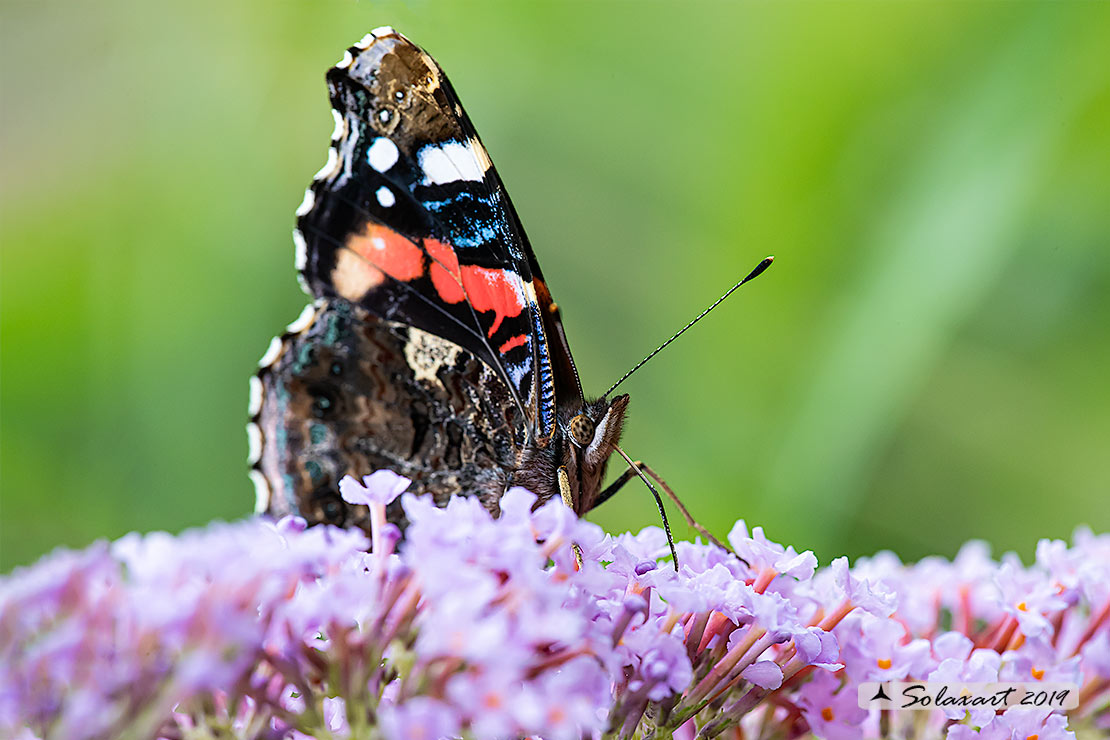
409	220
343	392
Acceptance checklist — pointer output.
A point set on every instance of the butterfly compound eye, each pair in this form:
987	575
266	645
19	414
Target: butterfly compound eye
582	430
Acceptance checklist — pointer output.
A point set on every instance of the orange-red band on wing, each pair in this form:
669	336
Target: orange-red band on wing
488	289
491	289
512	344
388	251
445	271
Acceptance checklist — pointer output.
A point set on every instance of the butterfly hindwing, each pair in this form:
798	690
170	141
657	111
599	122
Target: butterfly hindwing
409	220
344	392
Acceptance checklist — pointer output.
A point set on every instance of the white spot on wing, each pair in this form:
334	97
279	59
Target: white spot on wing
340	125
254	443
302	322
450	162
307	203
516	374
382	154
365	41
331	167
386	196
272	353
382	31
300	256
261	492
345	61
255	404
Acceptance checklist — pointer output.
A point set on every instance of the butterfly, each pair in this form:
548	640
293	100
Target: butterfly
433	346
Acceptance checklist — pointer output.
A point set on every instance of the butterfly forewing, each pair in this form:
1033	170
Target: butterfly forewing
409	220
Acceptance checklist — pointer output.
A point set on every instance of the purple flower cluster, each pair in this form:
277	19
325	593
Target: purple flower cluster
533	624
108	641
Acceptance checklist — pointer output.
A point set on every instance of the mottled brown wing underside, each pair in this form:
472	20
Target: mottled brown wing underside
348	393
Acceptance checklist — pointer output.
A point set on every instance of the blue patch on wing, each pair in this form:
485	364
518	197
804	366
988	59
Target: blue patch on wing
545	378
467	218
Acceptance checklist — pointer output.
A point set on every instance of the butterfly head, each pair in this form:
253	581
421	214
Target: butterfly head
593	434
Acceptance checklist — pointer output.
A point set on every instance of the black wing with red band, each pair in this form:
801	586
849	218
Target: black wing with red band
409	219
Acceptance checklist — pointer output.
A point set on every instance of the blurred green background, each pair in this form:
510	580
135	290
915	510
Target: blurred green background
926	362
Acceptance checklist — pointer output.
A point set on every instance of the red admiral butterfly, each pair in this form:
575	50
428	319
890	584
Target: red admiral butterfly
433	347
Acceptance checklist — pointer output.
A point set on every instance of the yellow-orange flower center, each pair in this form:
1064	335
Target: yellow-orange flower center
1038	673
827	714
884	663
1022	607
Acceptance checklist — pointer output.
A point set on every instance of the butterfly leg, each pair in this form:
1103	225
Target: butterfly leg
564	492
609	491
631	473
634	467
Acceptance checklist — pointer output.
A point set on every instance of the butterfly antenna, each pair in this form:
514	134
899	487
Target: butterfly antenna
763	265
